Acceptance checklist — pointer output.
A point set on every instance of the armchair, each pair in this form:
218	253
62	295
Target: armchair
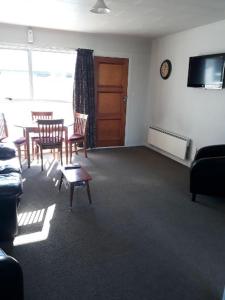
207	173
11	278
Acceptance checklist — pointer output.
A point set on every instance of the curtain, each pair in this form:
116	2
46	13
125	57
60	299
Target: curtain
84	91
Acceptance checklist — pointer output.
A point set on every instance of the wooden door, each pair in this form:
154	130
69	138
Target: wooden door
111	95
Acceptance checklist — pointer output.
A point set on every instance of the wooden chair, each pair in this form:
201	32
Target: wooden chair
4	137
39	115
79	133
50	136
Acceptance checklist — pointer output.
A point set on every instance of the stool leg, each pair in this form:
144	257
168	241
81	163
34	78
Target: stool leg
88	192
71	194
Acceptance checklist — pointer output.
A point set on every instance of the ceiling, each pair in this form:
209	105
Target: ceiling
146	18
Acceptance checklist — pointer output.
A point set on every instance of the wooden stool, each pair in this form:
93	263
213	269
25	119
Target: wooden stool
75	175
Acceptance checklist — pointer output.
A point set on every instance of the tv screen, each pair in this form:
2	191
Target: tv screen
206	71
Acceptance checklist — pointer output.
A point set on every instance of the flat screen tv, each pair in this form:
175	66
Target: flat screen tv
206	71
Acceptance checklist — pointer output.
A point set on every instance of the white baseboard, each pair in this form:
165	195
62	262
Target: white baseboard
116	147
186	163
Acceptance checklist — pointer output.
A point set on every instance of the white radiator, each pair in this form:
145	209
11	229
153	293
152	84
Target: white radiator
172	143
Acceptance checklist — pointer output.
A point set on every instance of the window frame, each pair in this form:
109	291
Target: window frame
29	51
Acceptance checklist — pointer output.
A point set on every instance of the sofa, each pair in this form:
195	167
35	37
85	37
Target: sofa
10	191
11	278
207	173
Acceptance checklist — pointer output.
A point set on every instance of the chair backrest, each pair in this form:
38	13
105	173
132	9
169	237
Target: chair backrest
3	127
50	131
41	115
80	123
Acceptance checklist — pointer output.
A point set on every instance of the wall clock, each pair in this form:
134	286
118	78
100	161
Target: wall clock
165	69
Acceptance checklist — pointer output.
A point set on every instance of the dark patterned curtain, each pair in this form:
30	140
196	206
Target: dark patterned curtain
84	91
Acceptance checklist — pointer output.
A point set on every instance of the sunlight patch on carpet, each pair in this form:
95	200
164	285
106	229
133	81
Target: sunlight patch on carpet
35	217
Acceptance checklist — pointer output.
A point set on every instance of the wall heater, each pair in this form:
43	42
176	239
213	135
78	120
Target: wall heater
169	142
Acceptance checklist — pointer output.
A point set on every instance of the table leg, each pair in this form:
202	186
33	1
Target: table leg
71	194
66	144
28	147
88	191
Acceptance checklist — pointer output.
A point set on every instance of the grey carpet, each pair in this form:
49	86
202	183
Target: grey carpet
141	239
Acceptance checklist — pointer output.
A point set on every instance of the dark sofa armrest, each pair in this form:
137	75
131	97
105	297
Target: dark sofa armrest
210	151
11	277
7	151
210	166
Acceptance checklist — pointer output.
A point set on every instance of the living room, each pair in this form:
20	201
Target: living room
134	242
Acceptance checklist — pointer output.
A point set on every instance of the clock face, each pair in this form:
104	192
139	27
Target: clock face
165	69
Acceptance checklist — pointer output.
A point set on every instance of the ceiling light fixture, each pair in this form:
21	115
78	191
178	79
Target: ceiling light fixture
100	8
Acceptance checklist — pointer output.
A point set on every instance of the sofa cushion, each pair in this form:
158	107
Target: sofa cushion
7	151
10	185
10	166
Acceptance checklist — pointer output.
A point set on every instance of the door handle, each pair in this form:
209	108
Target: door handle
125	99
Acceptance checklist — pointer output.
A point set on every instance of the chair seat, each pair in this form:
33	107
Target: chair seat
49	143
20	141
76	137
49	146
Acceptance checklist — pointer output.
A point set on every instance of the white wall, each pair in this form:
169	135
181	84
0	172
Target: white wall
193	112
136	49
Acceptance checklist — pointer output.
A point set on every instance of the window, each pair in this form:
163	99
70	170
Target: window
14	74
53	75
41	80
37	75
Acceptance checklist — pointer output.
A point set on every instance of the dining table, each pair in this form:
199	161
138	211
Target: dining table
32	127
